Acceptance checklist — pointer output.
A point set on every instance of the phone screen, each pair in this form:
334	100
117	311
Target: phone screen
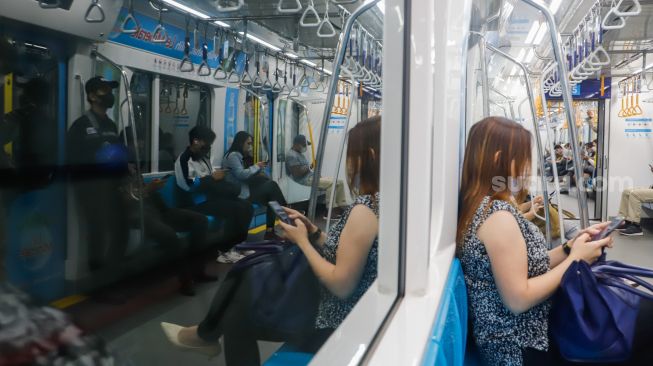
614	224
280	212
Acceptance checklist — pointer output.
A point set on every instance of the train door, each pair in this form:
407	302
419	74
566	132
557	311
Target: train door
32	130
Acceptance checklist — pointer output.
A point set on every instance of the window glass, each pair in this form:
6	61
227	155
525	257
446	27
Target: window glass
32	194
141	89
182	106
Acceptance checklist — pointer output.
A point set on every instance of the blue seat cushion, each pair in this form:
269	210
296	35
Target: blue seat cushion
288	355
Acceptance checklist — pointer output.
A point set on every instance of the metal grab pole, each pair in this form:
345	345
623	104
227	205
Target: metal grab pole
335	73
538	139
519	108
341	152
554	167
485	86
505	113
566	96
130	120
508	100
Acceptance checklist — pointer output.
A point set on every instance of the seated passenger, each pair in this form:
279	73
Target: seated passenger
299	169
162	224
212	195
561	160
631	208
509	273
344	260
254	184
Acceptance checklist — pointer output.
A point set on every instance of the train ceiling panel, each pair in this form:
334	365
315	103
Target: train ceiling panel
84	19
286	25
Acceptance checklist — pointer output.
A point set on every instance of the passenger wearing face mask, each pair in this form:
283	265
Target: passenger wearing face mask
299	169
97	162
211	194
255	186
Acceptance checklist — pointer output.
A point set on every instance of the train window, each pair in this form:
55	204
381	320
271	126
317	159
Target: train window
141	89
182	106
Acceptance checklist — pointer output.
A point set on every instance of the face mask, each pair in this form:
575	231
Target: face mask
205	150
249	149
106	100
303	149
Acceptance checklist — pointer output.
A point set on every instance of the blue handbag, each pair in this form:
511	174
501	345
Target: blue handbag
595	311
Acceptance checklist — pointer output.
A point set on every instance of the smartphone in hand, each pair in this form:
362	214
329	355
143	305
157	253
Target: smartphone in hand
280	212
614	224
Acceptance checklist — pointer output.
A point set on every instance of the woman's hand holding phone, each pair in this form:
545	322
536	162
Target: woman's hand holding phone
296	215
589	242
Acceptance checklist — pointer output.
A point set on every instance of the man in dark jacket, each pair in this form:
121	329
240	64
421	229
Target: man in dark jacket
97	163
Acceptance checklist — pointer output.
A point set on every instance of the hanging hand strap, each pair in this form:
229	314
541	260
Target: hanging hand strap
160	35
621	21
325	29
246	80
99	17
186	64
288	10
631	13
124	27
310	11
276	88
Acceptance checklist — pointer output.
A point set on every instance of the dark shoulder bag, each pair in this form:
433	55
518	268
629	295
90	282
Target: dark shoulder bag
277	288
595	310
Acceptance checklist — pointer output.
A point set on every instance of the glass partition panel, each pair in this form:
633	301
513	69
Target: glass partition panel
141	88
182	106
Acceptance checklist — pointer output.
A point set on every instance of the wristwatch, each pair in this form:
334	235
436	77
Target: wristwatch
566	248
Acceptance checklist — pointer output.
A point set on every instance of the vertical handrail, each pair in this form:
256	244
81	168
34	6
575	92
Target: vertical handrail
505	113
554	168
566	97
335	72
485	86
538	139
262	103
82	98
508	100
341	152
131	122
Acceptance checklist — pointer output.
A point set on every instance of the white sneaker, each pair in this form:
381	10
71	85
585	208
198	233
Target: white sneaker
231	256
246	253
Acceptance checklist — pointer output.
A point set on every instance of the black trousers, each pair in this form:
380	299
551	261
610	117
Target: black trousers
264	192
162	224
642	347
101	204
237	214
227	318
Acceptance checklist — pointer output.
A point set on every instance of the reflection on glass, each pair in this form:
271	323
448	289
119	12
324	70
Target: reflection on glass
182	106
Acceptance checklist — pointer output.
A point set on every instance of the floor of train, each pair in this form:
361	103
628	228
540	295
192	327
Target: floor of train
133	329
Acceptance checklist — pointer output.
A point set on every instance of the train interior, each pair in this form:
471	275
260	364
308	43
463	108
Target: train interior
574	73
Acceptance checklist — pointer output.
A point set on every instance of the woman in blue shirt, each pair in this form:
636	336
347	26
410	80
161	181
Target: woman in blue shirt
254	184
